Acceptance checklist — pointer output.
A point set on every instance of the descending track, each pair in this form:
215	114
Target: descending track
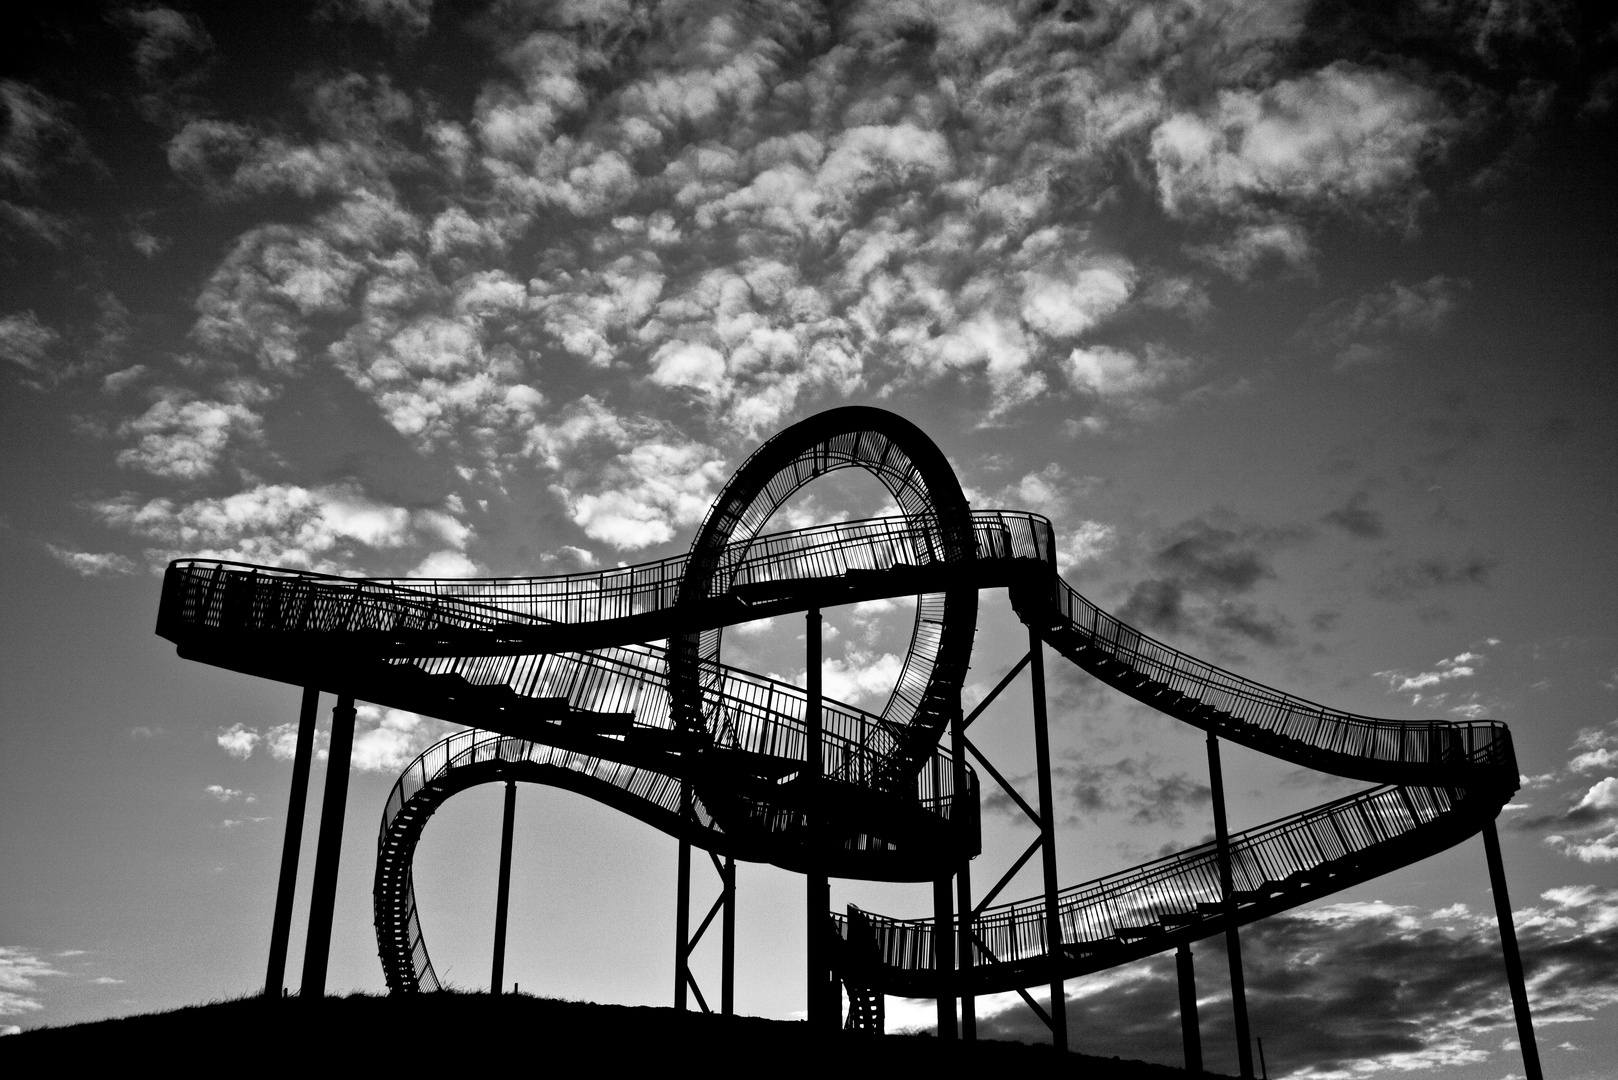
567	682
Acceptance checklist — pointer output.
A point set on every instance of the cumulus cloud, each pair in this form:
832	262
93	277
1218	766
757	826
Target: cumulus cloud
629	482
1339	135
238	740
181	437
332	528
1356	517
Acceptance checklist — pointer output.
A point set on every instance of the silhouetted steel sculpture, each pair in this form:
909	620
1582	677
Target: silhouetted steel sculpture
558	684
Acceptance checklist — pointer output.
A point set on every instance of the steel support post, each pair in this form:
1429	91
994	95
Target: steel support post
682	916
727	942
502	898
963	883
944	955
1508	946
323	895
1190	1029
281	927
1227	886
1047	828
818	894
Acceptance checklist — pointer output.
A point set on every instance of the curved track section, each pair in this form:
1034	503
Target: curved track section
909	464
555	673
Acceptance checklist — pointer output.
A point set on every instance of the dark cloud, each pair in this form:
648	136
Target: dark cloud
1402	581
1356	517
1204	568
1368	328
1356	987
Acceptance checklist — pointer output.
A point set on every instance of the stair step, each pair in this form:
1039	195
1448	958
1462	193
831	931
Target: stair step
1179	918
1134	933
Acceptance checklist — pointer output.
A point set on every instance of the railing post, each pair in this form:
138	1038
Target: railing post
323	894
818	893
1047	827
727	942
1508	946
1227	886
1190	1028
297	799
502	896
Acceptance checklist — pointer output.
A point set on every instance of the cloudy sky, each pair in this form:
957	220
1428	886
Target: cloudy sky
1296	318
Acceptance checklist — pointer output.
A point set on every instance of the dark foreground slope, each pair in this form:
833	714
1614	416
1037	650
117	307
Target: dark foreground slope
472	1030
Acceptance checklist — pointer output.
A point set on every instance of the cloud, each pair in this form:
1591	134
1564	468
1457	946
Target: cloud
24	340
1403	581
860	677
1598	748
1359	989
182	438
1366	329
1356	517
386	740
238	740
332	528
407	18
37	137
1594	818
1461	666
1342	136
219	791
1204	569
92	563
20	971
629	482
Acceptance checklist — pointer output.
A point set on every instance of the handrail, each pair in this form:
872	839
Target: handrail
596	596
1184	886
1241	706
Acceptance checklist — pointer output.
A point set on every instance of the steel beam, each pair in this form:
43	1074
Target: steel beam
817	900
727	947
963	881
502	898
297	799
682	916
1047	828
944	956
1227	886
1508	946
1190	1028
323	895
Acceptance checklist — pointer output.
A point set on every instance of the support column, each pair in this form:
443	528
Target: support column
963	884
323	895
502	897
682	917
1190	1029
1227	886
1047	827
1508	946
727	942
944	956
822	1012
281	925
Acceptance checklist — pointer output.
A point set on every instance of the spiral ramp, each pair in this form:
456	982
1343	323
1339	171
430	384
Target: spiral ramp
565	681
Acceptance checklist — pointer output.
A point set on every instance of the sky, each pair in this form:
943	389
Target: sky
1296	319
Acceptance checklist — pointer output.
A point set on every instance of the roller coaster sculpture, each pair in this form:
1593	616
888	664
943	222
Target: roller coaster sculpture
562	681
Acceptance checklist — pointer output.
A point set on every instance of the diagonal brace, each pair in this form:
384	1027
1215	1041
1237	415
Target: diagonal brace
1005	879
986	702
1004	783
1027	998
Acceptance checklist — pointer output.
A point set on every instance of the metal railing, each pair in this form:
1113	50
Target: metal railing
221	595
1133	903
1242	703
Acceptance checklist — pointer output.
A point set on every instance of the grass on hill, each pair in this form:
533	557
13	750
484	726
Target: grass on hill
409	1032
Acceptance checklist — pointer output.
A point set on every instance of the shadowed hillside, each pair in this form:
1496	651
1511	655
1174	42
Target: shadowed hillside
447	1027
